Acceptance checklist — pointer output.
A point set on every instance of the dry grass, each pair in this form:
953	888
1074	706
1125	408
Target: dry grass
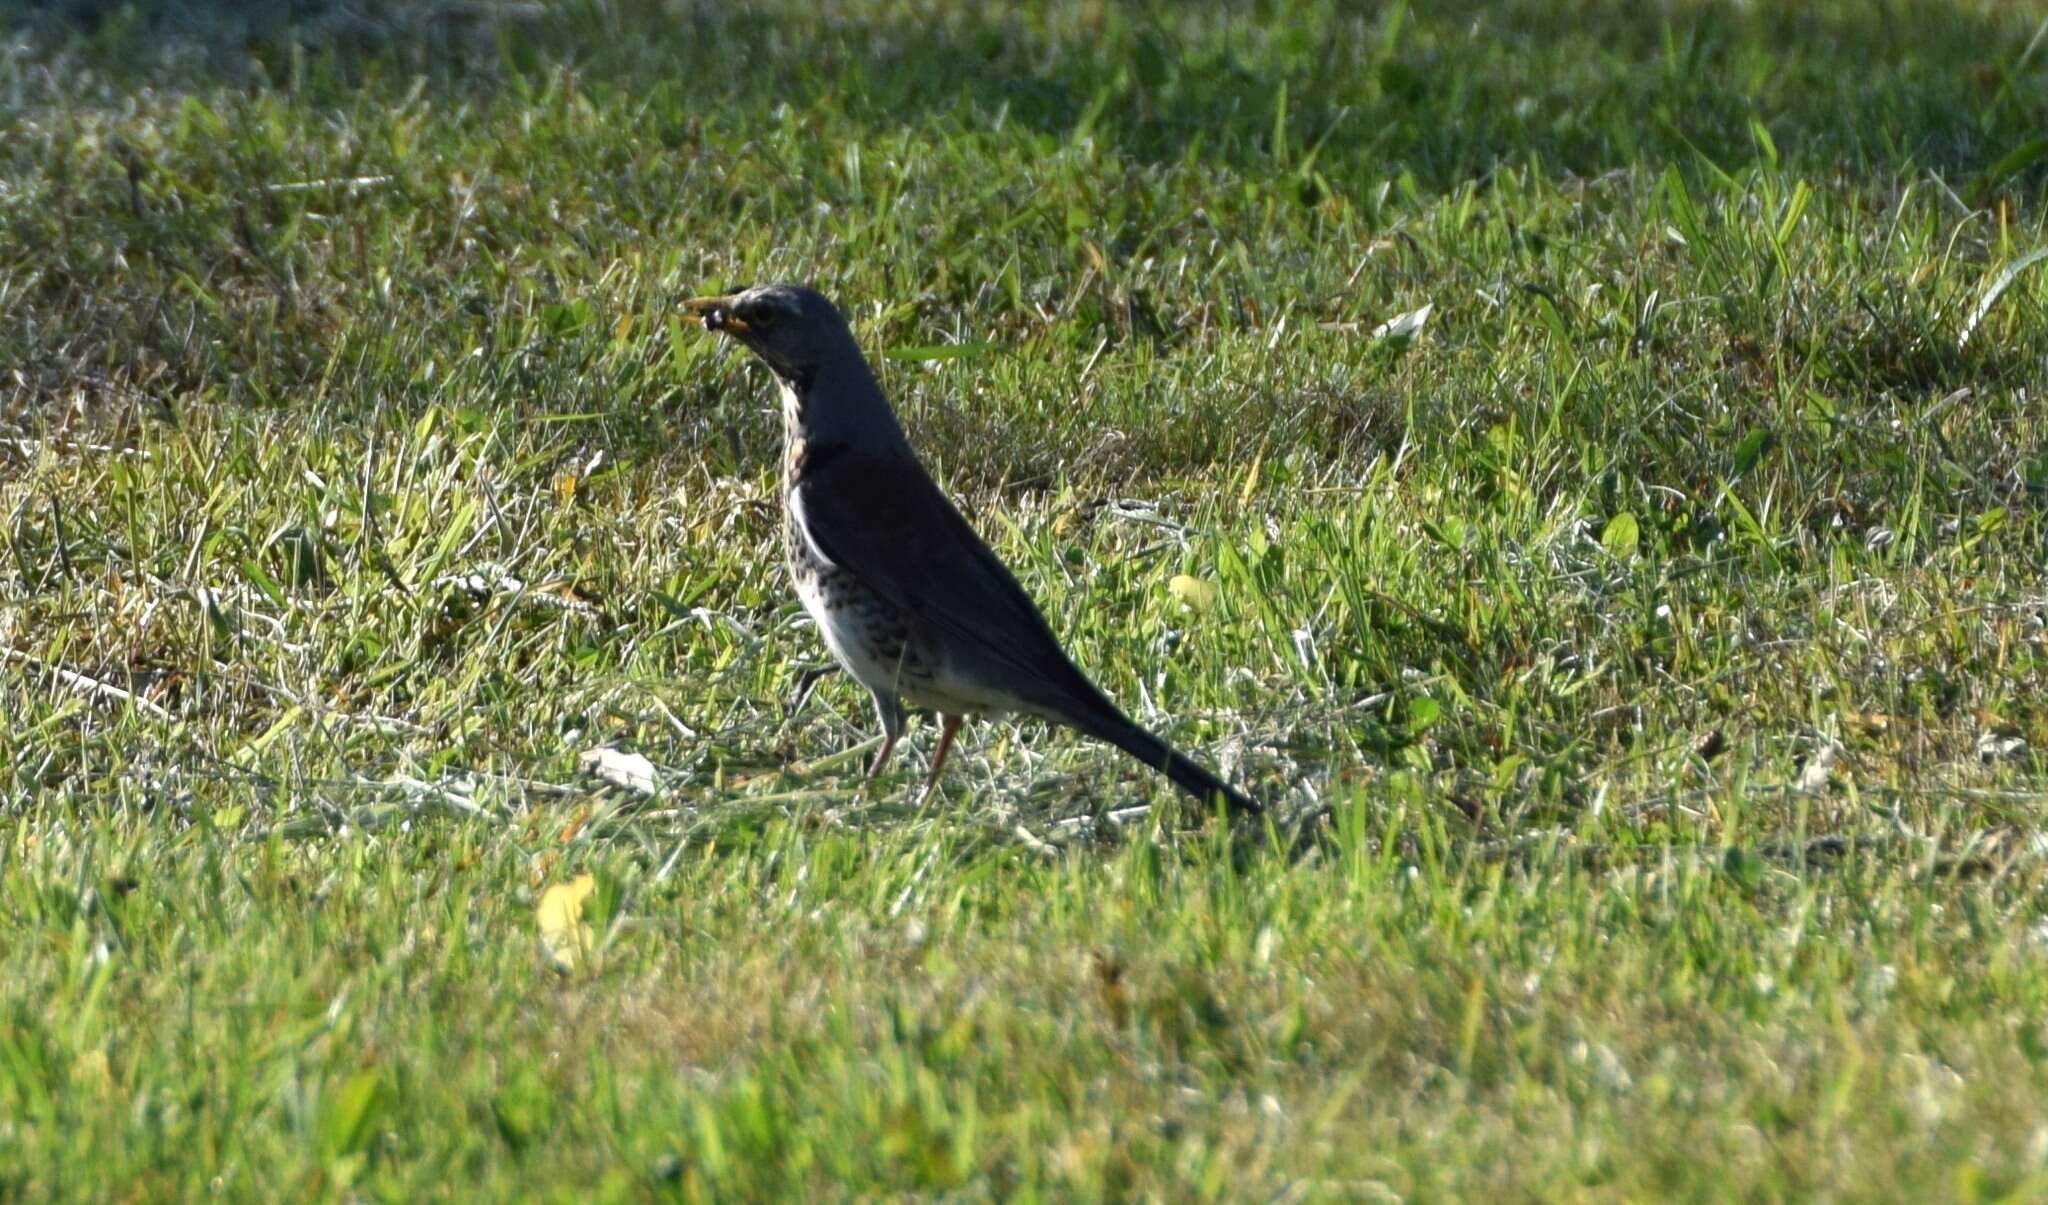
1644	662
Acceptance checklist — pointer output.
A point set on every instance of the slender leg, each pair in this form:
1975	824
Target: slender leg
882	756
949	727
890	712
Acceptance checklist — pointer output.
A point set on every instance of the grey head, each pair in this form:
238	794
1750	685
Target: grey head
796	331
800	335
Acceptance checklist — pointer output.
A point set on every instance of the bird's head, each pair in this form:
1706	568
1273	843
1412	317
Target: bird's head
794	330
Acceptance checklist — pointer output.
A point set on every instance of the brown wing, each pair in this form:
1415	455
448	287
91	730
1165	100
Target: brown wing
882	519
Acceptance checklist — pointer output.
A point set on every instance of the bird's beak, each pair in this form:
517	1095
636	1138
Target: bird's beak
716	314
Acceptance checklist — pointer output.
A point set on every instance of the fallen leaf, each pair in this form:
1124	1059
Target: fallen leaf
1814	776
631	771
1621	535
92	1072
575	825
1404	326
1999	746
564	938
1192	592
1251	475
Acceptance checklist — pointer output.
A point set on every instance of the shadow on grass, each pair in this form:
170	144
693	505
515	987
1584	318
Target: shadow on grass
1444	92
170	280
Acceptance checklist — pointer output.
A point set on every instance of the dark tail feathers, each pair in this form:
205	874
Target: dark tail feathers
1118	730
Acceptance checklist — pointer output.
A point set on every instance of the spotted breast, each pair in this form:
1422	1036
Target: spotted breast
866	633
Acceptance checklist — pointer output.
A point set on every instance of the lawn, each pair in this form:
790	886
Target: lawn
1582	463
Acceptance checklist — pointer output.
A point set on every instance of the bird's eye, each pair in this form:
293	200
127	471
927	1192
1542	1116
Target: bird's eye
761	318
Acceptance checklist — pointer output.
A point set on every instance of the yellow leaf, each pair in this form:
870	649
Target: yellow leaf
91	1071
565	487
1192	592
1251	475
564	938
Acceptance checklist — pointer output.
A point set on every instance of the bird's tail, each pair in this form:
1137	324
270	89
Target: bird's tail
1113	726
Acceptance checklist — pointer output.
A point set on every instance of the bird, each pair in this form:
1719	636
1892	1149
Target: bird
910	601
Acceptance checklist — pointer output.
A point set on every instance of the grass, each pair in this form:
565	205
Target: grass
1645	661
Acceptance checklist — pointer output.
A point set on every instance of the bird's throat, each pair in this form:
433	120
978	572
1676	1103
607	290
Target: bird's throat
792	405
800	451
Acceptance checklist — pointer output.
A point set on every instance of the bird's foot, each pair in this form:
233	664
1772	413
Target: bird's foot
949	727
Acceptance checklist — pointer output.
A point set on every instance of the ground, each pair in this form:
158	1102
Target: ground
1581	462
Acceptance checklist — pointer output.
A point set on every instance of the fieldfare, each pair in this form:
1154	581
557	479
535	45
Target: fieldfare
909	599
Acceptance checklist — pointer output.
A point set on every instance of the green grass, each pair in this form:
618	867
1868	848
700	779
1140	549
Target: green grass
1645	662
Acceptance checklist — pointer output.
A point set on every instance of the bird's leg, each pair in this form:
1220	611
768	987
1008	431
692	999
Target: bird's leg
890	712
949	727
882	757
